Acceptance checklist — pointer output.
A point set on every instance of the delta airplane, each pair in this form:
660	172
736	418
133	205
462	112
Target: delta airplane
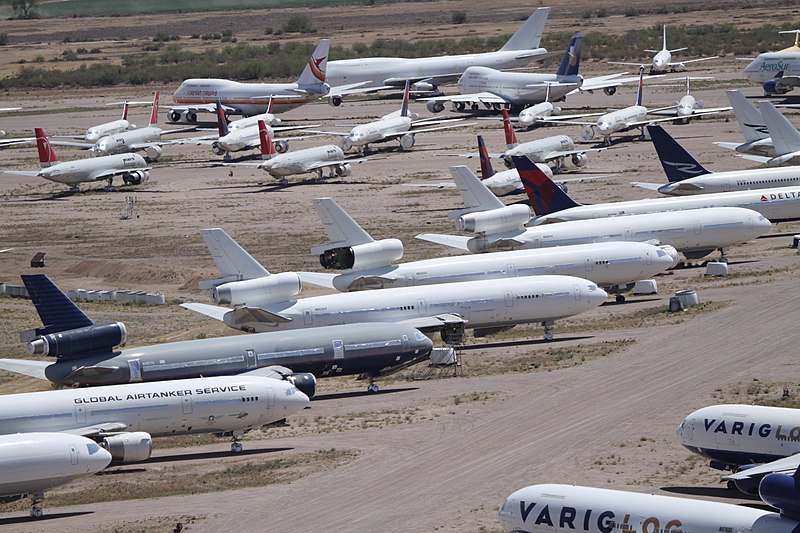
777	72
551	204
688	107
756	135
750	440
687	176
84	351
427	73
369	264
662	61
495	226
265	304
552	508
315	159
132	167
35	462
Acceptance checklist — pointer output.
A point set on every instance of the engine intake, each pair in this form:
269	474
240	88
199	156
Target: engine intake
362	256
495	220
129	447
305	382
80	341
269	289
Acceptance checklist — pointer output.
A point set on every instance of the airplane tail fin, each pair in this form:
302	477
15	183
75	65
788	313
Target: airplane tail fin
47	156
404	105
571	62
233	262
476	196
222	121
749	118
268	150
677	162
544	195
785	136
641	85
57	312
340	227
511	137
314	73
154	113
529	35
125	110
486	164
664	37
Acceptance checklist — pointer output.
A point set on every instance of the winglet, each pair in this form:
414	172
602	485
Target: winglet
487	171
154	113
677	162
545	196
268	150
47	156
342	230
511	137
233	262
57	312
222	121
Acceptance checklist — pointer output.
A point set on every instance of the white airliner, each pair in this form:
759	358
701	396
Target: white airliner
696	233
777	72
739	437
785	138
687	176
552	508
369	264
303	161
427	73
32	463
688	107
756	135
132	167
95	133
662	61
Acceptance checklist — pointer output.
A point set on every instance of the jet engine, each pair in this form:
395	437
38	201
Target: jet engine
80	341
782	492
343	170
588	133
495	220
610	91
174	115
782	160
407	141
335	101
579	160
269	289
424	87
135	177
281	146
305	382
435	106
362	256
345	144
153	152
129	447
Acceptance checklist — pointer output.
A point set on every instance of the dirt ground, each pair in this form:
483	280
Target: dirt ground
434	455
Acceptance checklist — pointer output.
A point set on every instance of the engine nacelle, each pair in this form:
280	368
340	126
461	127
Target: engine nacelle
281	146
774	86
191	117
343	169
80	341
335	101
174	115
153	152
782	492
269	289
782	159
129	447
407	141
495	220
435	106
579	160
362	256
588	133
305	382
556	111
610	91
424	86
135	177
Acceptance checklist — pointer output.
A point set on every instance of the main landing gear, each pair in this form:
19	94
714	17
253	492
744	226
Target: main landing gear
236	446
548	330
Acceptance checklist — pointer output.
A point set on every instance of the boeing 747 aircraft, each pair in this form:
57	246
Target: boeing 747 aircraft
777	72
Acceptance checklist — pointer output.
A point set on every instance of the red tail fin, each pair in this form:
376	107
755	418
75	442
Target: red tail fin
269	105
511	137
267	147
486	165
154	114
47	156
222	121
125	111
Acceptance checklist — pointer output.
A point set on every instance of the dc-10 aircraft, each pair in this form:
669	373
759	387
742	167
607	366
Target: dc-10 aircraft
369	264
495	226
662	60
551	204
32	463
131	167
777	72
756	135
785	138
750	440
427	73
84	351
552	508
686	176
265	304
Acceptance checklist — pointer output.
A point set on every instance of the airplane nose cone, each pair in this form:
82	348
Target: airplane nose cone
293	400
595	295
603	126
97	458
670	255
506	520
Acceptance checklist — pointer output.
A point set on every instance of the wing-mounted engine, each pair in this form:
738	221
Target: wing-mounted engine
510	217
776	86
343	170
135	177
129	447
153	152
434	106
94	339
253	292
305	382
176	115
610	91
579	160
362	256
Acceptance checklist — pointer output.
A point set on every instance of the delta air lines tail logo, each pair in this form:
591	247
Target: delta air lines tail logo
538	187
314	64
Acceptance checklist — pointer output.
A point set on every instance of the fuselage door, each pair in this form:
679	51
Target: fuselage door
587	261
250	358
421	306
698	228
186	405
577	291
628	234
509	299
135	370
308	317
73	454
512	271
80	413
338	349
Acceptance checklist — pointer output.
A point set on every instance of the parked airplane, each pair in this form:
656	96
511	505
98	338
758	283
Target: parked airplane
785	138
95	133
777	72
687	176
131	167
427	73
740	437
531	115
315	159
85	355
756	135
551	508
662	61
369	264
696	233
35	462
688	107
551	204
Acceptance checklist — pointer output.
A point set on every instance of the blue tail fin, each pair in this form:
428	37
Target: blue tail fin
486	164
571	61
639	89
545	196
677	162
404	106
58	313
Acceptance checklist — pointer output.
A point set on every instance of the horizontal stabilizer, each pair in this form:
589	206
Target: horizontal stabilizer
214	311
453	241
274	372
98	430
317	278
34	369
756	158
22	172
648	186
91	371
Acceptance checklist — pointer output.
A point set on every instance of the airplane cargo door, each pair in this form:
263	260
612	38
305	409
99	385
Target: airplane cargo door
421	306
73	454
250	358
186	405
628	234
270	397
135	370
338	349
308	317
648	258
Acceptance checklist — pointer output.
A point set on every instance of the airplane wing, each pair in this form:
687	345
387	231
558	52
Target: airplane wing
322	164
34	369
272	371
240	314
605	82
756	158
564	153
83	145
644	122
316	278
437	128
679	63
18	140
453	241
479	98
673	111
22	172
785	465
648	186
98	430
114	172
563	120
205	108
640	64
428	323
727	145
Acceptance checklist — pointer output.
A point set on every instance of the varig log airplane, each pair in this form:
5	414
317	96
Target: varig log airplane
777	72
662	61
427	73
132	167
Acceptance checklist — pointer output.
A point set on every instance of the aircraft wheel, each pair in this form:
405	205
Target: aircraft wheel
236	447
373	388
620	298
731	485
36	511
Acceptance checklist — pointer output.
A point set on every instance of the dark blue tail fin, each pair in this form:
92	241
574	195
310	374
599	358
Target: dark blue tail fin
486	164
677	162
58	313
544	195
571	61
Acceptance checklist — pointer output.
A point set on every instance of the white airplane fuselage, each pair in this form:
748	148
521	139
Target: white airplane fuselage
217	404
538	150
620	119
507	181
551	508
607	264
268	118
95	133
516	86
735	180
35	462
377	131
766	66
121	142
661	61
531	114
247	98
301	161
686	106
241	138
85	170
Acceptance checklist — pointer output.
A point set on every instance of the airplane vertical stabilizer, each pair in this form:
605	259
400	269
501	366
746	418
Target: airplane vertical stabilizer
342	230
314	73
750	119
545	196
529	35
268	150
404	105
233	262
571	62
47	156
639	90
785	136
154	112
476	196
487	171
57	312
677	162
511	137
125	110
222	121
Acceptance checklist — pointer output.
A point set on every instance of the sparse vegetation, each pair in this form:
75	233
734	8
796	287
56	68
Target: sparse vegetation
459	17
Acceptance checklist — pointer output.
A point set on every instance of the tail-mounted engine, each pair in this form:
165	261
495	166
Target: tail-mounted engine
269	289
782	492
505	218
129	447
97	338
362	256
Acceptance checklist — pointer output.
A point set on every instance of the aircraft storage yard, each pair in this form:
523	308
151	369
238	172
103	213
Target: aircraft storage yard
598	406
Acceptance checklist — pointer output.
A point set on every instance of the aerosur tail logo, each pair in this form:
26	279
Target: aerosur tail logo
686	168
314	64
